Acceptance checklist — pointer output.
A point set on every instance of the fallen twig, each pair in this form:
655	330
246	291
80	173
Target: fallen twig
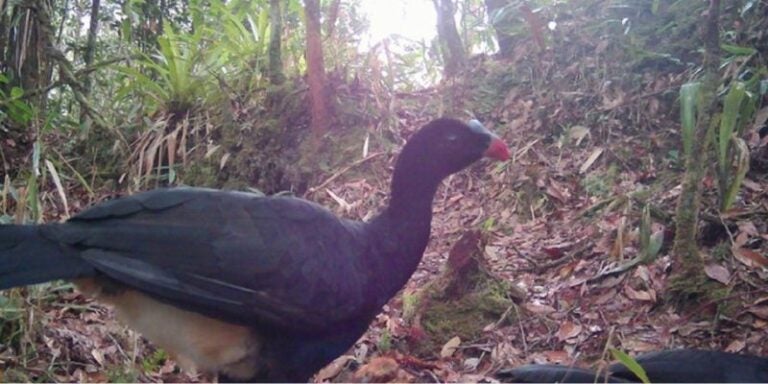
341	172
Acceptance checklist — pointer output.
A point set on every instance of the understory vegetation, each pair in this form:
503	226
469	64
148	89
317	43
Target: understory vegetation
609	108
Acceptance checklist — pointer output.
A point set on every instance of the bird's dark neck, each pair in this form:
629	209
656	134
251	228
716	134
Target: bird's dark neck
403	228
412	201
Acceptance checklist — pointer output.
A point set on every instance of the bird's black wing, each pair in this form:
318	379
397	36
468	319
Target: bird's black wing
551	373
697	366
232	255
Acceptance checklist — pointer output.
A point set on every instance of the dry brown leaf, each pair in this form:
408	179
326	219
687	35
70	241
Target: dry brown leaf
223	161
380	370
752	186
611	282
343	204
505	351
472	378
493	252
760	118
741	239
639	346
98	355
97	377
539	309
566	270
718	273
450	347
578	133
557	191
471	364
605	297
760	311
633	294
168	367
568	330
689	328
749	257
749	228
736	346
557	356
591	160
333	369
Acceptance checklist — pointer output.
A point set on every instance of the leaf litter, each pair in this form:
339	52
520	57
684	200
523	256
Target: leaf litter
557	215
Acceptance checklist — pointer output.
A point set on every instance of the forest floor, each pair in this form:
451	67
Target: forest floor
560	218
561	221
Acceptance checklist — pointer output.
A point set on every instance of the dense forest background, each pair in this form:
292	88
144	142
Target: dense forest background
632	215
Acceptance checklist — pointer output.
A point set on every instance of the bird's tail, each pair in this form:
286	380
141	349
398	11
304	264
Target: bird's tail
28	257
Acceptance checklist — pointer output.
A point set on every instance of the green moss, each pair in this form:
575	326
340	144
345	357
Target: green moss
687	290
721	251
410	305
14	376
600	184
11	319
200	174
121	374
385	342
731	308
154	361
484	303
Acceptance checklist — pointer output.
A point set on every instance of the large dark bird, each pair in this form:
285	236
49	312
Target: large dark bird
697	366
251	288
671	366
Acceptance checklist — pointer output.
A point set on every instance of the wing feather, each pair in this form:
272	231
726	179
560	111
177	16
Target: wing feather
237	256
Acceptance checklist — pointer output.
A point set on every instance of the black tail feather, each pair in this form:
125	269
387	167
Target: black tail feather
551	373
697	366
670	366
27	257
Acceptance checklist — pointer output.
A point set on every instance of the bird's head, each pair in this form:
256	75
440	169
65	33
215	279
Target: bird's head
445	146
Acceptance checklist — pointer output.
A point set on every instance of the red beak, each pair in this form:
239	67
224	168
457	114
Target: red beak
497	150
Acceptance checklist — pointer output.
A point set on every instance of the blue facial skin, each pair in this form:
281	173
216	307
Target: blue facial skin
477	126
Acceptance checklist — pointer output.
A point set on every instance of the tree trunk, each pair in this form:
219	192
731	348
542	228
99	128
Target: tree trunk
451	46
25	64
506	42
5	31
275	65
90	50
320	107
688	270
333	15
28	60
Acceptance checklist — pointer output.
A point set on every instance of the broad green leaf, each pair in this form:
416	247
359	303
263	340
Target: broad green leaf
731	108
654	246
16	92
742	167
631	364
488	224
263	24
33	197
645	231
689	96
737	50
19	111
36	158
